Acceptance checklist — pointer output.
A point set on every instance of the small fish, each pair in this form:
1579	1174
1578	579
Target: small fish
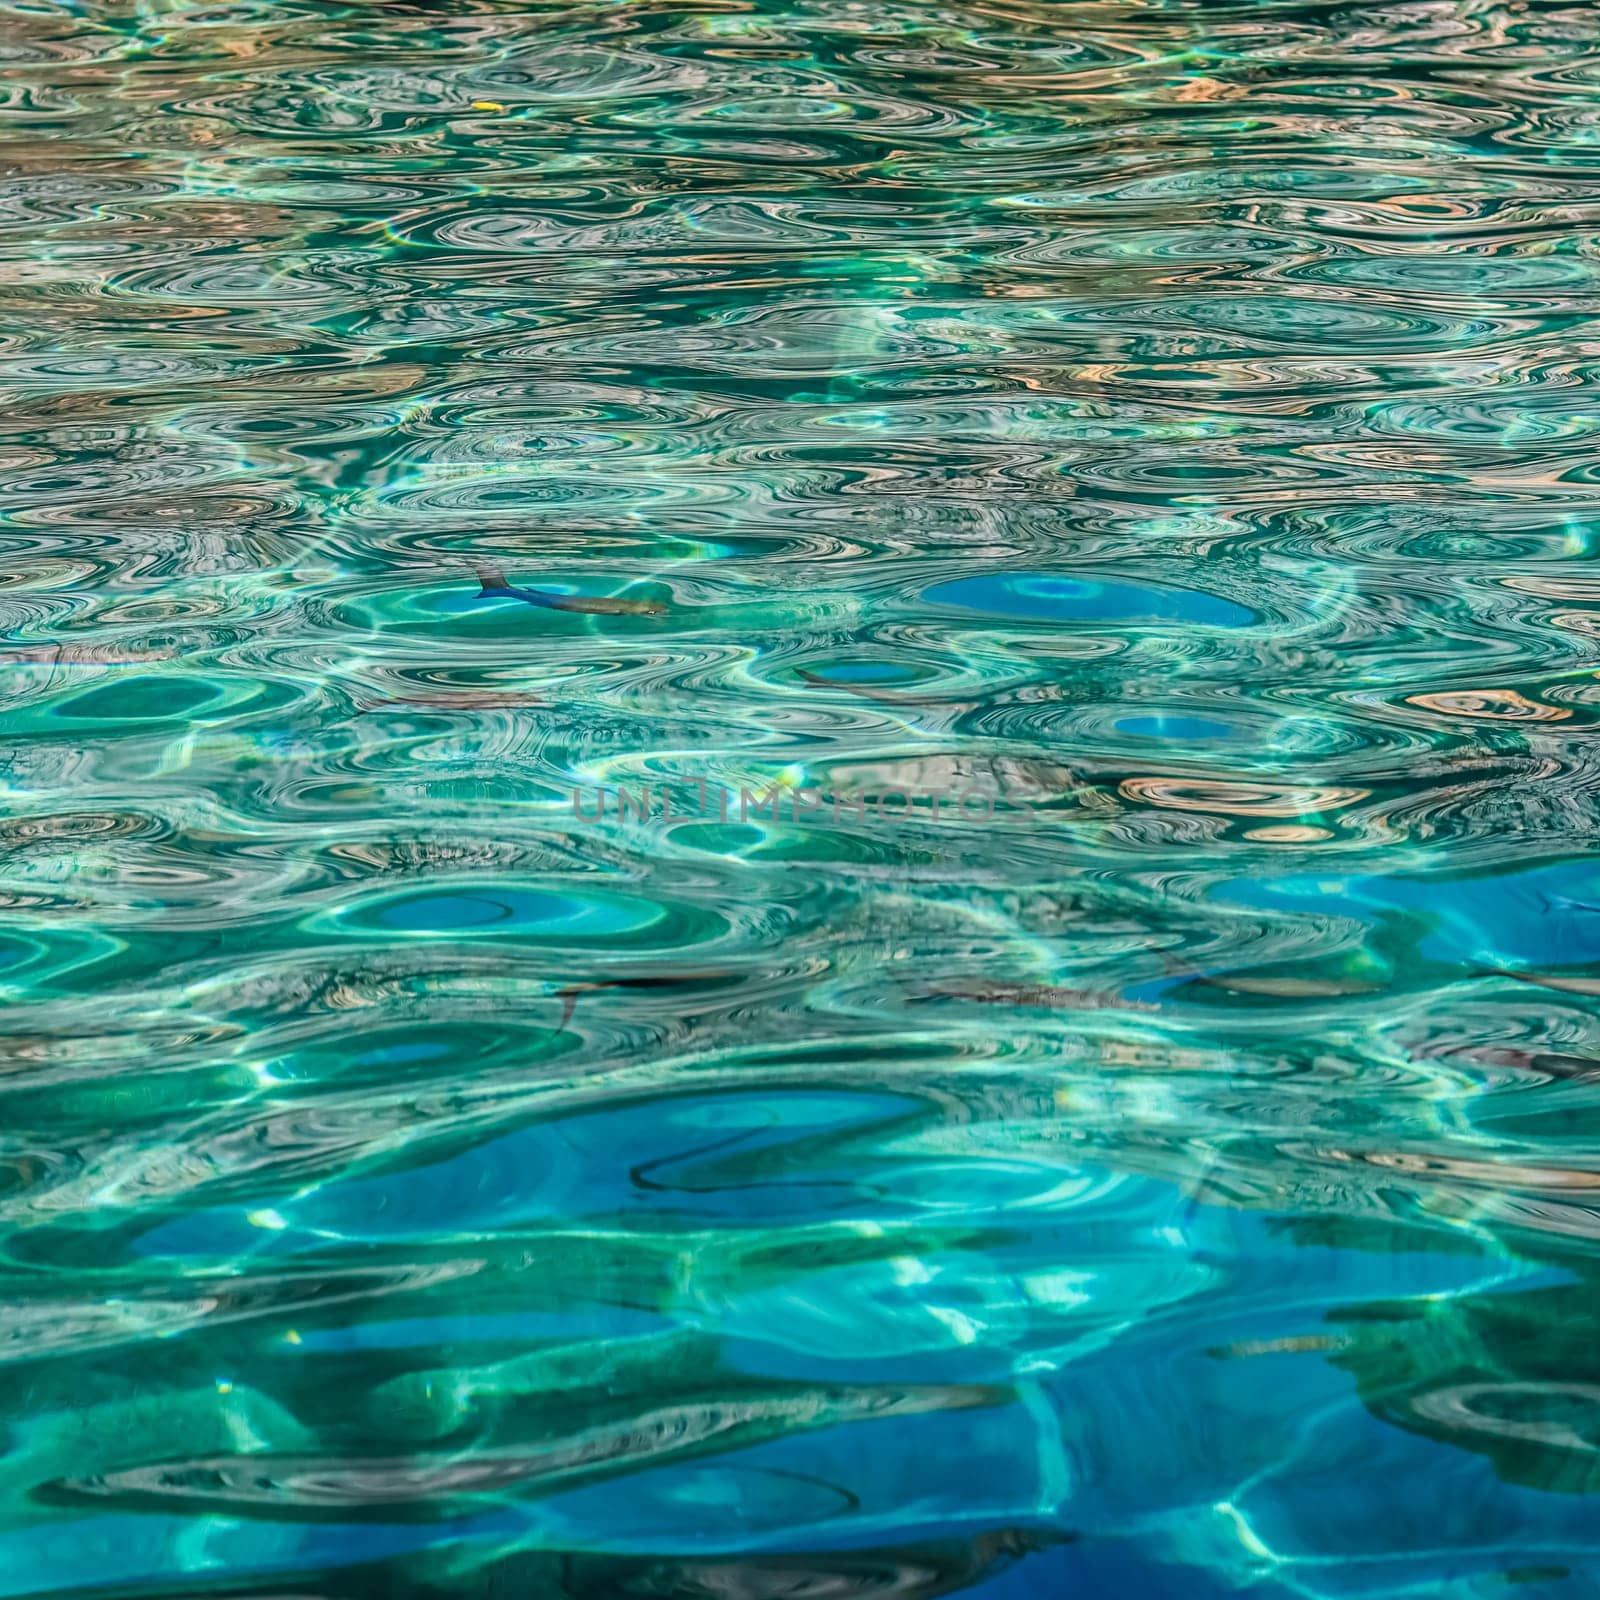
1542	980
1278	986
495	587
1054	997
888	697
1296	1344
1578	1069
647	980
1555	903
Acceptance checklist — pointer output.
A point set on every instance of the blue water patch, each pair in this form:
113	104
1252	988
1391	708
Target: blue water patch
164	1551
503	909
145	698
1173	727
1544	916
865	672
1050	597
444	912
686	1157
402	1051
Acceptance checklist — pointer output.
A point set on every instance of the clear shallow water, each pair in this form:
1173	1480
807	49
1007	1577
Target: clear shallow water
1127	1123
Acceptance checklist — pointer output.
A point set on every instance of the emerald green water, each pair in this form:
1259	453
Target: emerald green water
1001	997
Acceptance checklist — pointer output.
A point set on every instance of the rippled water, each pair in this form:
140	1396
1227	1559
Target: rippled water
1015	1015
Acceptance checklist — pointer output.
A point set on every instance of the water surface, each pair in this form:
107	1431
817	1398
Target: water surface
1019	1019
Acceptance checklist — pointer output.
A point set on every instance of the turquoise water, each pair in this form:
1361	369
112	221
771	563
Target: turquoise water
797	800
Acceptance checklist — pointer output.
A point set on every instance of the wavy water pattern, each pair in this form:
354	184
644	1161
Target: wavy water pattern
797	798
